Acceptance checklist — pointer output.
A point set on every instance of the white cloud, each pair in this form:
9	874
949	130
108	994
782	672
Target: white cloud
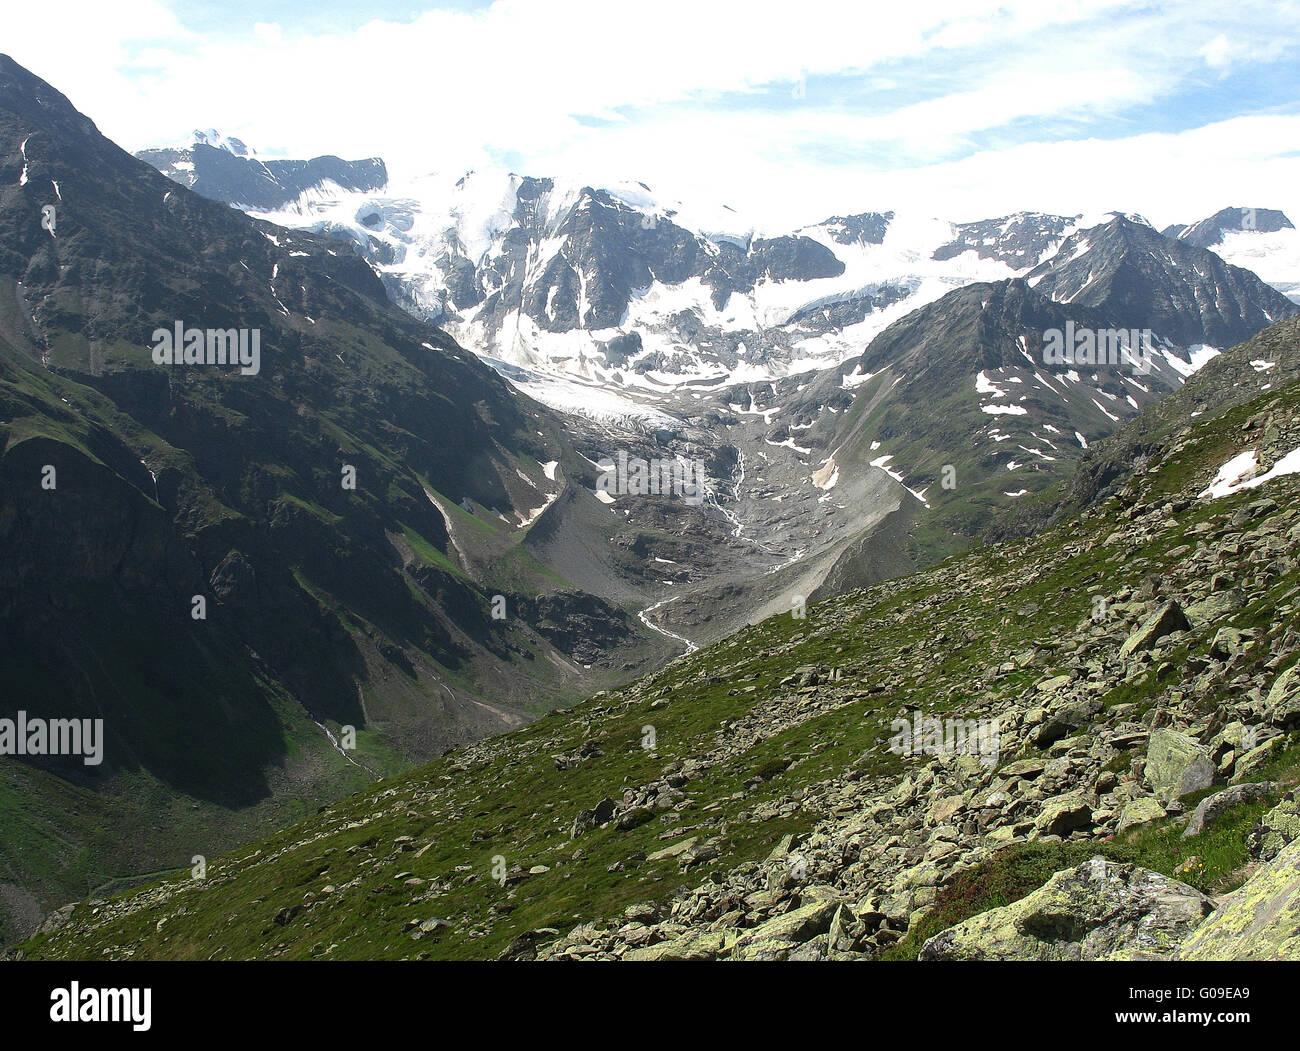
696	96
270	32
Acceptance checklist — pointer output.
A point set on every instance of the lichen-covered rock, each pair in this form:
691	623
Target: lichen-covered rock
1282	705
1275	830
1139	811
775	939
695	945
1095	911
1261	921
1164	621
1065	814
1177	765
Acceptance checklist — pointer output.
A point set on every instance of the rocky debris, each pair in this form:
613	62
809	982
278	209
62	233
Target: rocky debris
1213	806
1260	921
1095	911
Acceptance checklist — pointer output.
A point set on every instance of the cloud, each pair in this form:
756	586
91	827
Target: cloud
951	101
269	32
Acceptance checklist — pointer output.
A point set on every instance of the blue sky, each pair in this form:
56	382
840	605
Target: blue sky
790	112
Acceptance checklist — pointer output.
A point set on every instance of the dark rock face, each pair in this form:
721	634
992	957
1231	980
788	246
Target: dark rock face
864	228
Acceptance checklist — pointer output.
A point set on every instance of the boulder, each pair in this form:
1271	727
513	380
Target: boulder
1177	765
1275	830
589	819
1212	807
1139	811
1164	621
1282	705
694	945
1096	911
775	939
1261	921
1063	815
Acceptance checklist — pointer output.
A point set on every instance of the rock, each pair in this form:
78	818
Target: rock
1211	807
774	939
634	818
1139	811
1260	921
1216	606
1063	815
1095	911
1024	768
1164	621
57	919
1279	827
680	847
589	819
945	809
694	945
523	947
1282	705
1226	643
1177	765
1255	760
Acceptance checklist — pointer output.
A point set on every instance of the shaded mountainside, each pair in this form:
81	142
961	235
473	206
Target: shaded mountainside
1127	683
129	488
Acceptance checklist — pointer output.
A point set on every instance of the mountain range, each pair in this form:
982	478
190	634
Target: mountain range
392	533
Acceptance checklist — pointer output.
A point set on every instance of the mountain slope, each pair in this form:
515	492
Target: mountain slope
346	508
753	802
1260	239
1141	279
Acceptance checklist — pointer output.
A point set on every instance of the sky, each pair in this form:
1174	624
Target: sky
788	112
